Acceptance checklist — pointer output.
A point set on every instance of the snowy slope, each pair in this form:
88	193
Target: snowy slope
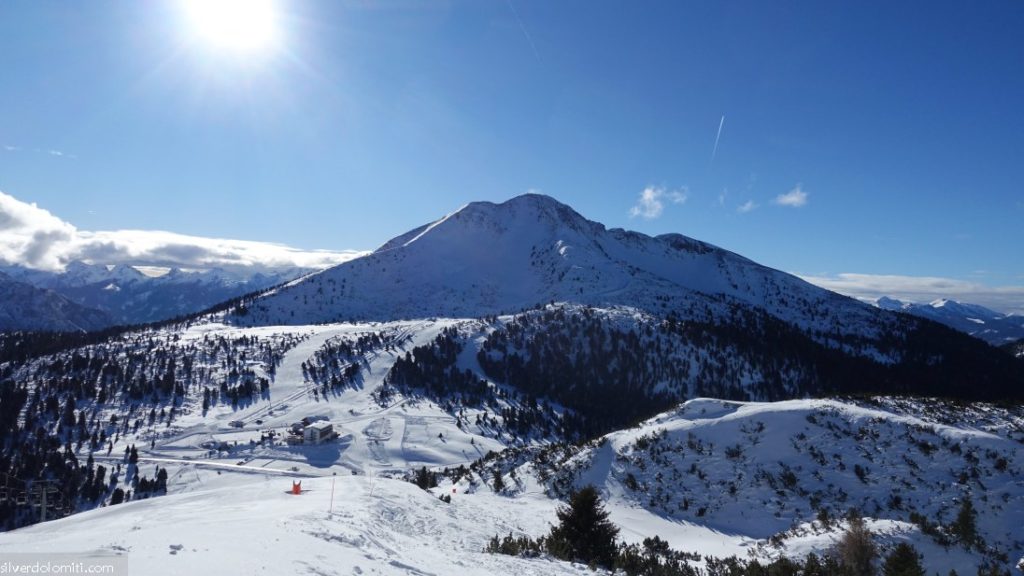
993	327
232	526
375	438
497	258
26	307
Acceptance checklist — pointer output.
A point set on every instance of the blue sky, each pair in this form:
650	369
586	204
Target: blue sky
900	124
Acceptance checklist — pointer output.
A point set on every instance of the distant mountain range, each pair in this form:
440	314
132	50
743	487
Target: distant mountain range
92	296
27	307
993	327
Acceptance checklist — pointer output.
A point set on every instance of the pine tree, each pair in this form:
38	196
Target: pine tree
69	412
812	566
161	480
964	527
499	482
856	549
903	561
425	479
584	533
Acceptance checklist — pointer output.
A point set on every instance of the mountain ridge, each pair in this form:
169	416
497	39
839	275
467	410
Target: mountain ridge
983	323
127	296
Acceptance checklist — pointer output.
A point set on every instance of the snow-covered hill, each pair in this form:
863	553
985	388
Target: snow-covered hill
497	258
778	478
26	307
993	327
129	296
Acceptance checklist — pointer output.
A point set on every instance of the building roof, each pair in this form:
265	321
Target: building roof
321	426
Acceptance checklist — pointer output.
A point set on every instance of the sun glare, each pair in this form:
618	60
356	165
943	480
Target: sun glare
242	25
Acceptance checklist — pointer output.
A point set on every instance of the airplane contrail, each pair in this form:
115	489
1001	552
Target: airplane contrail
523	28
717	138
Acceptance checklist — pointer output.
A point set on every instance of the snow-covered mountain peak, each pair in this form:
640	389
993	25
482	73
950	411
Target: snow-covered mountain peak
487	258
531	204
526	215
886	303
123	273
953	306
80	273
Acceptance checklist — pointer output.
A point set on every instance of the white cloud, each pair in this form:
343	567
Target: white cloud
33	237
923	289
747	206
30	235
651	202
50	151
795	198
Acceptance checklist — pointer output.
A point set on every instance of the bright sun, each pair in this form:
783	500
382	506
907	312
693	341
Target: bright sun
242	25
